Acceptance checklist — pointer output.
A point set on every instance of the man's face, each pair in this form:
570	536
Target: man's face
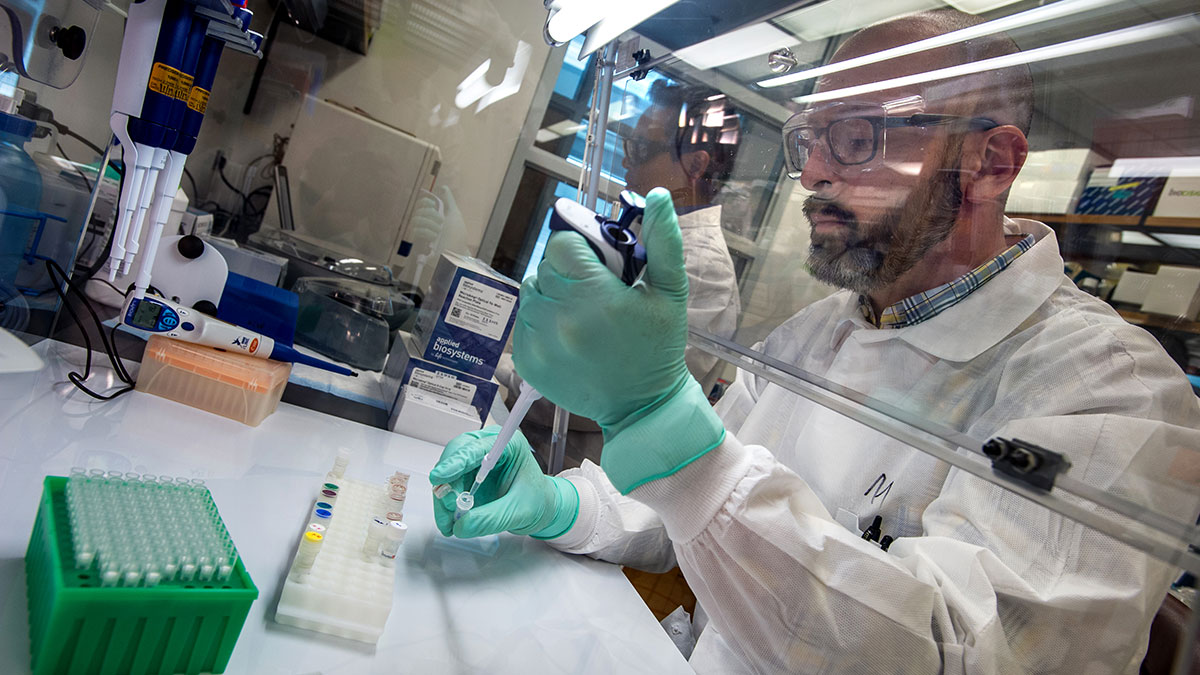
872	222
653	162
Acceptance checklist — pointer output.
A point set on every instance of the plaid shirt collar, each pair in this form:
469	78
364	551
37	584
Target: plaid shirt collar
928	304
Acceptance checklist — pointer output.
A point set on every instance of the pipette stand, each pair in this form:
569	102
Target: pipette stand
345	593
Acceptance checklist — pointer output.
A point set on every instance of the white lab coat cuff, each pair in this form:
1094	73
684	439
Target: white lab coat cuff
580	534
689	499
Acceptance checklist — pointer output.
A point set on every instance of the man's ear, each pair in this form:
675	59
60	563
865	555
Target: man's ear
695	163
991	161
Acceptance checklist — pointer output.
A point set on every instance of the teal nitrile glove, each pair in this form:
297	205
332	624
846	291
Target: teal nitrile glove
615	353
515	497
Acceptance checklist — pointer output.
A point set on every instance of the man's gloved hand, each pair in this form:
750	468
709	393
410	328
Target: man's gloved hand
515	497
436	226
615	353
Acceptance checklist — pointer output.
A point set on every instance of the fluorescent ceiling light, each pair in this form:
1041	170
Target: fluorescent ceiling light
620	16
475	86
738	45
573	19
602	21
837	17
1020	20
978	6
1176	240
559	129
1126	36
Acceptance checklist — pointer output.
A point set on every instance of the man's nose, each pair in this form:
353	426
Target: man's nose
819	172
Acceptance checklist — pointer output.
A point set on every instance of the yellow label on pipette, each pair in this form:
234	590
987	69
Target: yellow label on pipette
168	81
198	100
185	87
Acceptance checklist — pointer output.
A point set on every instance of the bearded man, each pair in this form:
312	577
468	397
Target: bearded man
952	313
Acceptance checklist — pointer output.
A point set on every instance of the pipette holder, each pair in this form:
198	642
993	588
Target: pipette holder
76	626
345	592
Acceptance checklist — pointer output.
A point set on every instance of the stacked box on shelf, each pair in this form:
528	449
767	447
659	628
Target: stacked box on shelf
77	624
443	373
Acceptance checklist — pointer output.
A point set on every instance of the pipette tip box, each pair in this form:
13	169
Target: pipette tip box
237	386
78	626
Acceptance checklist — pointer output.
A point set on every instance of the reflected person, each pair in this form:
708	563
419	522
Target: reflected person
686	140
951	312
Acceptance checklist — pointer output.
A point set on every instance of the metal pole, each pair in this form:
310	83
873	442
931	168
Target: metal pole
603	99
594	160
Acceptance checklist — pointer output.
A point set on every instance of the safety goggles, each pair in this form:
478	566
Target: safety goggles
855	134
640	151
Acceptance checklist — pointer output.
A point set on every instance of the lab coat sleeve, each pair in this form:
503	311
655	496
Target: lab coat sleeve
713	304
613	527
616	528
995	584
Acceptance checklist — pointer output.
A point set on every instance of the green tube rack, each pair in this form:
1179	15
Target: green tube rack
77	627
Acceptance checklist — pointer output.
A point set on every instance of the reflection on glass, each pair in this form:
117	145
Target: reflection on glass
941	305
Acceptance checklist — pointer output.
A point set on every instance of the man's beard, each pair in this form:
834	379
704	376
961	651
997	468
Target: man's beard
864	258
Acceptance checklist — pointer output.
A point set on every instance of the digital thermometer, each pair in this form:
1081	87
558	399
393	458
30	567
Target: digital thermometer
156	315
614	241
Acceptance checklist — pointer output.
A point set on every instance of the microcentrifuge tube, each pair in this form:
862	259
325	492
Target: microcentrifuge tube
442	490
462	504
395	537
306	555
339	464
376	531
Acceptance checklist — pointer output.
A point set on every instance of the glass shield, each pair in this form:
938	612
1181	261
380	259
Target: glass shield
943	285
912	282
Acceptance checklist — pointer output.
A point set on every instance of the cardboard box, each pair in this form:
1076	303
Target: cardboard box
405	368
1051	180
1119	196
467	316
431	418
1180	198
1132	288
1175	291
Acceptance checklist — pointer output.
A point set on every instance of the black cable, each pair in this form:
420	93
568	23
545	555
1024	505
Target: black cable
88	246
110	348
95	148
264	191
106	282
95	266
77	169
195	192
59	277
221	173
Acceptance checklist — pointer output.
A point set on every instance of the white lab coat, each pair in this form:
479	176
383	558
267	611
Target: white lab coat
978	580
713	303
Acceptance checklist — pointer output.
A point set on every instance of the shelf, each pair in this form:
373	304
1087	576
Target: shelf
1155	222
1160	321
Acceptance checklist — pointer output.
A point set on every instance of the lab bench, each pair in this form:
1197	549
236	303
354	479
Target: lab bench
527	608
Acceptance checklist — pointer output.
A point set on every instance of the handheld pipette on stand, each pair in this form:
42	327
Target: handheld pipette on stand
210	32
159	89
616	244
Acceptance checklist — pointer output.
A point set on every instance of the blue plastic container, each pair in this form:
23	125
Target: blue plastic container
20	194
